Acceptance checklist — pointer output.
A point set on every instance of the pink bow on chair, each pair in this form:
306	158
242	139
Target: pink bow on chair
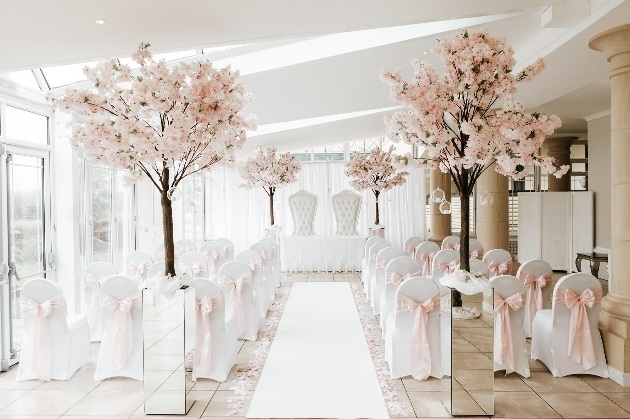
254	264
581	348
180	250
211	257
427	262
398	279
381	264
123	333
266	255
42	350
228	248
236	288
203	340
476	254
497	269
503	344
450	267
410	250
452	246
95	307
194	269
534	295
139	268
420	350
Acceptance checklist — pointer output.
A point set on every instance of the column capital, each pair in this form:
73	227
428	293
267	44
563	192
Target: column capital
615	43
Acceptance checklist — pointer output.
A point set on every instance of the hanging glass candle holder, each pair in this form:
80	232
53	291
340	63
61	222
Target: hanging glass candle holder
174	194
438	195
445	207
486	199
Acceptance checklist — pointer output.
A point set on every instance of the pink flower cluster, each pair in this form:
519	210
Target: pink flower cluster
185	117
452	114
267	169
378	171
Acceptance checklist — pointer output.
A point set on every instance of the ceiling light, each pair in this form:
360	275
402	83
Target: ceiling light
100	21
425	53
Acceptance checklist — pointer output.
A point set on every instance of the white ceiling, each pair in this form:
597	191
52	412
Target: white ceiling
322	73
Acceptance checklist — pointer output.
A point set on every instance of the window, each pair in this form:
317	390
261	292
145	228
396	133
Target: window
21	125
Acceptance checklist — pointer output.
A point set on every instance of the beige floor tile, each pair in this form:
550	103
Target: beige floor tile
32	417
430	384
471	361
621	399
108	402
9	396
474	379
428	404
44	402
81	380
604	385
521	405
92	417
231	382
536	365
129	384
218	406
584	405
511	382
204	384
542	382
7	381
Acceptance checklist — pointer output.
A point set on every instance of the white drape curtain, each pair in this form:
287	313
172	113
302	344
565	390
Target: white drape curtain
242	215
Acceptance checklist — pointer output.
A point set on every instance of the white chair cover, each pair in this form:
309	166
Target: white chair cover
382	259
137	265
537	276
476	249
346	205
228	246
303	206
424	254
184	245
566	338
95	274
236	281
412	340
450	242
55	344
478	267
215	340
499	262
376	247
252	259
365	264
275	258
215	255
444	262
510	348
397	271
410	245
122	347
194	265
266	256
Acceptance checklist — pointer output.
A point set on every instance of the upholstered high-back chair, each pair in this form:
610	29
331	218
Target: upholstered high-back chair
346	205
303	206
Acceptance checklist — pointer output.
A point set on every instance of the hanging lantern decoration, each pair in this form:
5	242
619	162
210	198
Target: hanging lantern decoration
438	195
445	207
486	199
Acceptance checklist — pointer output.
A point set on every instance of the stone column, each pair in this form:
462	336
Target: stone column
615	315
440	223
560	149
493	230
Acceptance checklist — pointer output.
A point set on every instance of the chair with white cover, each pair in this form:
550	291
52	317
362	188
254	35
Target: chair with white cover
476	249
228	246
499	262
266	253
510	348
216	342
450	242
303	206
424	254
254	261
536	275
410	245
446	261
396	272
235	279
376	247
412	341
137	265
184	245
478	267
365	264
158	252
215	255
566	337
275	259
346	205
95	274
194	265
383	257
55	343
122	348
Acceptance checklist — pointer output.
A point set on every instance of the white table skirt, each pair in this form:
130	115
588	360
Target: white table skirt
321	253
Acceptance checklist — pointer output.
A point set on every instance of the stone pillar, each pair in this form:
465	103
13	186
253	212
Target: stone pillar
614	320
440	223
560	149
493	230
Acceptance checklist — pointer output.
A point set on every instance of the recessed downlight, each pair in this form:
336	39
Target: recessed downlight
100	21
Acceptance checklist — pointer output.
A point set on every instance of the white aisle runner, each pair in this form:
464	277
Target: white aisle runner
319	365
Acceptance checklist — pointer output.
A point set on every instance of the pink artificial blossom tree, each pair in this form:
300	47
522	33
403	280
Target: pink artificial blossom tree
163	122
453	116
378	171
268	170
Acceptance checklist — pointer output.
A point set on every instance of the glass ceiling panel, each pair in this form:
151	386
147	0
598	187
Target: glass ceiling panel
23	78
65	75
221	48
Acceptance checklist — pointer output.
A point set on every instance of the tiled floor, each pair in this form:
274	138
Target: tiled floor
540	396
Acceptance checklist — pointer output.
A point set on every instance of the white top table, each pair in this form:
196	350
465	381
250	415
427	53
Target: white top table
321	253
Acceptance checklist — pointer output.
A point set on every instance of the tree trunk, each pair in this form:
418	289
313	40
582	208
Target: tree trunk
464	236
271	192
376	221
167	228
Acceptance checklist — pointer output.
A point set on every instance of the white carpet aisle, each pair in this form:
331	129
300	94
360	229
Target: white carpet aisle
319	365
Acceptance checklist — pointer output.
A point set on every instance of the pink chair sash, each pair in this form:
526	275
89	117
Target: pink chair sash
254	264
203	340
534	295
381	264
449	267
180	250
228	248
476	254
398	279
420	350
42	350
503	343
427	262
452	246
211	257
194	269
581	348
95	306
236	288
123	333
266	255
497	269
139	268
410	250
